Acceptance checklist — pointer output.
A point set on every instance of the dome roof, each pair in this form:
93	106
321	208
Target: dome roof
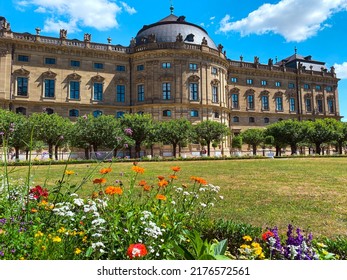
167	30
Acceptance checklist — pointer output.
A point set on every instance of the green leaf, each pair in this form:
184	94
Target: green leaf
220	247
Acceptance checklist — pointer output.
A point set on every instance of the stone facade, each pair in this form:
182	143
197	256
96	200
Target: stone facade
168	78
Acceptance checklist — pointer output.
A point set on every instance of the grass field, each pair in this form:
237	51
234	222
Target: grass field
310	193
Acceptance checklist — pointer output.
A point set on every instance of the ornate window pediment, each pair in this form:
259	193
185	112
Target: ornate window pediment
250	91
140	79
21	72
74	76
121	80
166	77
49	74
98	79
234	90
194	78
265	92
215	82
279	94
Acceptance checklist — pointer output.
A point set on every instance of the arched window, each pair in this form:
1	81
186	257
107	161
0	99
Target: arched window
21	110
74	113
266	120
97	113
167	113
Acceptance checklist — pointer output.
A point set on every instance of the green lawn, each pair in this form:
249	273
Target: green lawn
310	193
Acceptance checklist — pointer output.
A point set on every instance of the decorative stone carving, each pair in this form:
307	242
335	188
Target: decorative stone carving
215	82
204	41
220	48
49	74
87	37
21	72
179	38
63	34
151	38
74	76
194	78
141	79
98	79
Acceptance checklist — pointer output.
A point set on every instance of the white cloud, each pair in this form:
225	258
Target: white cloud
72	14
295	20
341	70
212	18
128	9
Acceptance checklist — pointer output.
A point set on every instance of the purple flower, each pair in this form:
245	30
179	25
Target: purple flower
126	145
2	133
1	254
3	221
128	131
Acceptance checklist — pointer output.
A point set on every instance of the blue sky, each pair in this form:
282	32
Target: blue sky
267	29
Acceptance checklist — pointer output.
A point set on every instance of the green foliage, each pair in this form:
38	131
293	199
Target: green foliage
236	142
210	131
253	137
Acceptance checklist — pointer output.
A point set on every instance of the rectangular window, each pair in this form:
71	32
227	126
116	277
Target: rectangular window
74	90
120	68
50	60
119	114
166	65
194	113
265	102
279	103
233	79
308	105
75	63
97	93
193	66
98	65
331	106
49	88
278	84
194	91
214	71
292	104
23	58
329	88
306	86
140	67
318	87
235	100
263	82
215	94
22	86
291	85
249	81
250	102
141	93
320	105
120	93
166	91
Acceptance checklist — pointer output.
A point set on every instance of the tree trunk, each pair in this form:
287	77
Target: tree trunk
137	150
293	148
86	153
17	153
50	151
56	148
254	148
318	149
174	147
340	148
208	149
278	151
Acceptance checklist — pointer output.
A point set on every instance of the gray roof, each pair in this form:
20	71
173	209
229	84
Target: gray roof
167	29
306	61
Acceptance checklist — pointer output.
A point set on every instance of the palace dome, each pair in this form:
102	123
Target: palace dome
168	29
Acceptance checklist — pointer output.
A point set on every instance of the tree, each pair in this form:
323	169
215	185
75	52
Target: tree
175	132
276	130
140	125
320	131
236	142
293	132
253	137
210	131
50	128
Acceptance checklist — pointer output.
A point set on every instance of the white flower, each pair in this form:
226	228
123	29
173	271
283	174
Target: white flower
96	235
203	204
185	193
98	222
179	189
202	189
173	202
74	194
221	197
98	244
78	201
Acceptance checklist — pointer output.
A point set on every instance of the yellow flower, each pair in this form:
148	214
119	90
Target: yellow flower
43	248
69	172
78	251
38	234
22	258
258	251
61	230
255	245
247	238
322	245
244	246
56	239
84	239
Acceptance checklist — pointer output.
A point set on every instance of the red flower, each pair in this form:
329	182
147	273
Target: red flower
137	250
38	192
267	235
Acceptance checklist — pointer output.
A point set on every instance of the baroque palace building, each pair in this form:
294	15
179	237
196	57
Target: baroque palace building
171	69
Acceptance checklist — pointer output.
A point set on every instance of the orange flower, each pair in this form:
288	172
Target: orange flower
176	168
163	183
160	197
69	172
199	180
99	181
161	177
146	188
138	169
33	210
111	190
105	170
173	177
95	195
142	183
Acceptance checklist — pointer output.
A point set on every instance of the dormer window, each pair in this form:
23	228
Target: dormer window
190	38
